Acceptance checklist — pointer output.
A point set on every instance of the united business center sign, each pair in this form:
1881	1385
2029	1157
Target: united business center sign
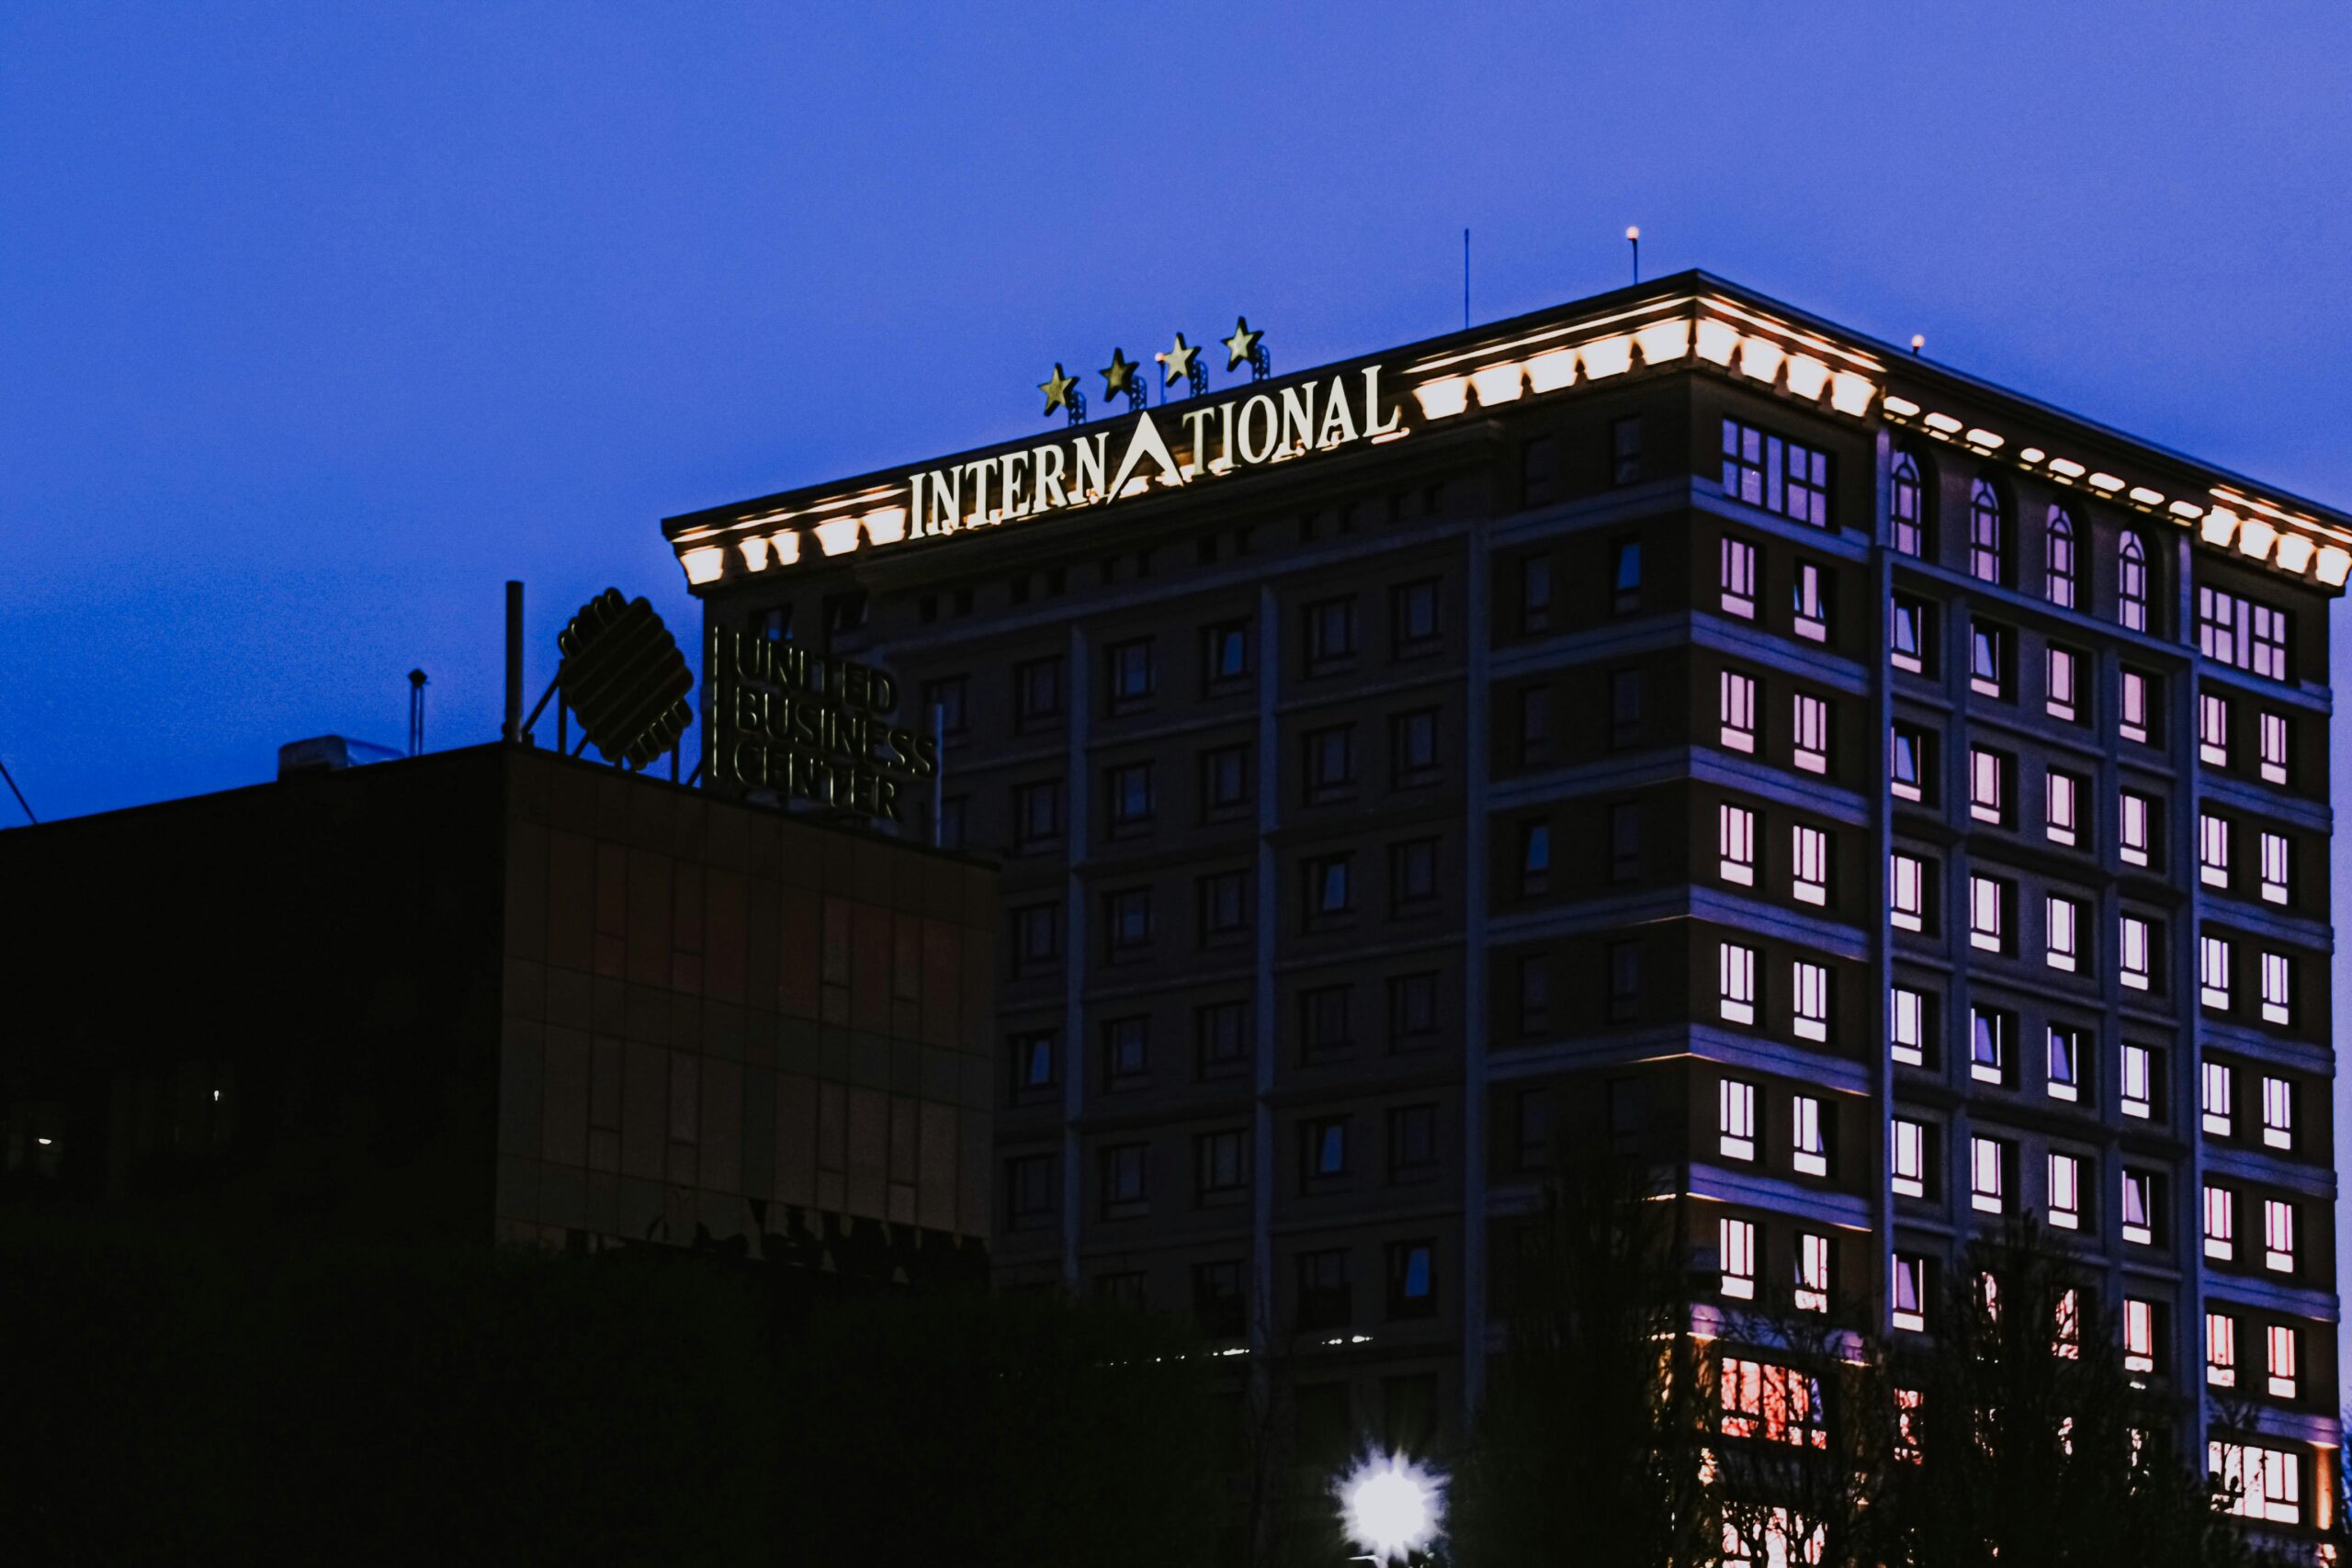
807	726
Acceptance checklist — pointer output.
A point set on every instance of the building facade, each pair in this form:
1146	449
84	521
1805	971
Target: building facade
1878	801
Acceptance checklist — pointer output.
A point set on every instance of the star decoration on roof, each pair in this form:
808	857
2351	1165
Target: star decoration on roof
1119	376
1057	389
1242	344
1177	361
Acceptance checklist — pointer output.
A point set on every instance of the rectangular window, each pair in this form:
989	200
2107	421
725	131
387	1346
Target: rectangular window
1736	1119
1626	450
1412	1279
1988	660
1534	994
1225	655
1907	635
2215	1099
1220	1165
2138	1335
1224	781
1029	1191
1988	785
1037	685
1988	1059
2140	1208
1736	844
1534	594
2064	1067
1908	906
1907	764
1330	755
2245	633
2221	1223
1988	1160
1412	1140
1129	787
1625	841
1812	1272
2279	1236
1412	870
2277	989
1032	1060
1535	724
1124	1185
1221	1039
1037	814
1809	864
1907	1029
2214	730
1738	578
1224	906
2212	850
1735	1242
2136	708
1412	748
1624	707
1775	1404
2063	919
1811	1135
2285	1344
1037	938
2134	828
2059	696
1412	1011
1989	909
1810	983
2139	1082
1910	1292
1624	981
2213	958
2277	1113
1737	982
1738	704
2221	1350
1625	578
1127	1049
2261	1483
2066	1192
943	701
1532	1118
1413	621
1328	889
2275	861
1331	631
2273	734
1130	666
1534	858
1325	1021
1910	1162
1812	734
1128	920
1811	607
1776	474
1323	1294
2061	796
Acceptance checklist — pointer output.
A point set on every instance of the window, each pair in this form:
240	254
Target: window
1538	461
1738	578
1323	1021
1625	578
1413	1282
1907	635
1736	1119
2140	1207
2273	728
1412	1009
2275	861
1988	1160
1216	1299
1988	659
2213	972
2214	730
1812	1272
1124	1185
1624	981
2061	796
1037	814
1412	747
1038	687
1626	450
1220	1165
2138	1335
1907	508
1412	873
2277	1113
1127	917
1776	474
1625	841
1129	787
2246	633
2221	1223
1029	1191
1534	594
1412	1141
1331	631
1328	891
1736	844
1535	994
2131	583
1907	765
1986	551
2132	831
1323	1288
2212	850
2066	1192
1737	982
1738	704
2277	989
1624	707
1532	1119
1224	654
1221	1038
1809	864
1032	1055
945	697
2262	1484
2136	706
1224	781
2139	1081
1809	1132
1535	724
1778	1404
1811	608
2063	918
1811	743
1989	1049
1132	678
2221	1350
2062	667
1988	908
1126	1048
1735	1243
2063	1070
1910	1292
1909	908
2137	954
1413	617
1534	858
1810	1001
1330	761
2286	1353
948	832
2279	1236
1907	1030
2058	558
1988	785
1910	1165
1224	906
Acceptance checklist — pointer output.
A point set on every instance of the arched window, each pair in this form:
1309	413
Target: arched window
2131	583
2058	557
1909	507
1985	532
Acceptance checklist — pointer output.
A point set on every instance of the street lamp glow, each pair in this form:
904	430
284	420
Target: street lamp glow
1390	1506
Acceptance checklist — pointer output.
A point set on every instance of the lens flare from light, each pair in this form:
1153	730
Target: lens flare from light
1390	1506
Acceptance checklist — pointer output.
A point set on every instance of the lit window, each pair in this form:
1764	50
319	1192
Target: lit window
1988	1174
2140	1208
1907	764
2279	1236
1907	1405
1910	1296
1810	1135
2273	730
1988	1060
2245	633
2137	954
2262	1484
2066	1339
1625	582
2285	1355
2212	850
2058	558
1776	474
2221	1223
1811	985
2215	1099
2132	824
2213	972
2278	1113
1907	1030
1985	533
1778	1404
1987	914
2133	719
1812	1272
1735	1241
1910	1165
1811	747
2061	806
1738	704
2066	1192
2131	583
2063	919
2061	667
1988	659
1908	507
1738	578
2275	860
1909	874
1988	791
2221	1350
2277	989
2214	730
1736	1119
2139	1081
2064	1075
1908	635
1811	608
1736	969
2138	1335
1809	864
1736	844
